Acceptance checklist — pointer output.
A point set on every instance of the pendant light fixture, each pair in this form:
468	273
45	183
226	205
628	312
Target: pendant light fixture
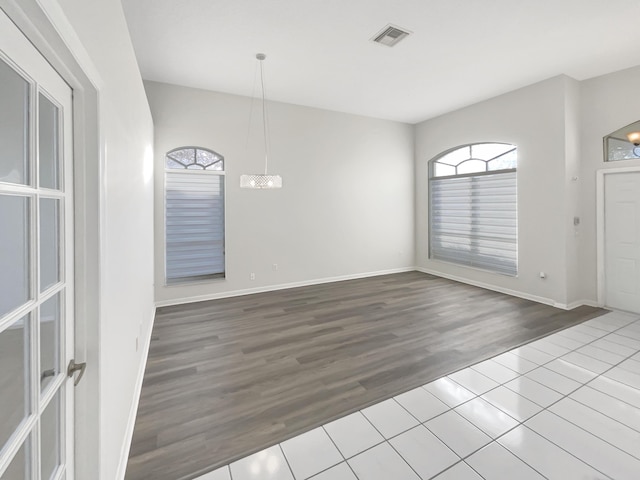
262	180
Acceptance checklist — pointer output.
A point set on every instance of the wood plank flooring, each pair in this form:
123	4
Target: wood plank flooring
229	377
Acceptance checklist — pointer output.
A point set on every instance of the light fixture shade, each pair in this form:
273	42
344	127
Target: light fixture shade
634	137
260	180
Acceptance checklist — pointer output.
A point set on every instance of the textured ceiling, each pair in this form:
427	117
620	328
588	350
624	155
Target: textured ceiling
319	52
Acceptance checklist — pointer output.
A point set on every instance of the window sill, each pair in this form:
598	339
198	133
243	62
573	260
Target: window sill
180	282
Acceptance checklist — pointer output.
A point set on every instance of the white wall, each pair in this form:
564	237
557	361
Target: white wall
346	208
608	103
126	220
534	118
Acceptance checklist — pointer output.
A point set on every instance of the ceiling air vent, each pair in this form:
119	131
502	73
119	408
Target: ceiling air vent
390	35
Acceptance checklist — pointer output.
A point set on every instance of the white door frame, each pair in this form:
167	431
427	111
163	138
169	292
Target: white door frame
47	28
600	222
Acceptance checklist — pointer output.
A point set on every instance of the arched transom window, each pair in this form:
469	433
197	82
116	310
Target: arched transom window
476	158
473	210
195	159
194	215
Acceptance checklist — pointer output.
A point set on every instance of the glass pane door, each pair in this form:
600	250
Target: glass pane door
36	296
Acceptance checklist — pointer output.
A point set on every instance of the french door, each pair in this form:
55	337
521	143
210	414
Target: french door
36	269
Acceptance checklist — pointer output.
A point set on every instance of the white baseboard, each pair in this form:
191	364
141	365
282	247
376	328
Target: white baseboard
508	291
579	303
283	286
126	446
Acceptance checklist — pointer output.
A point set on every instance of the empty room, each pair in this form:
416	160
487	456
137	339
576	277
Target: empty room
291	240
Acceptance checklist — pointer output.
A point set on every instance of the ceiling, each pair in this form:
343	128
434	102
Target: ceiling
319	52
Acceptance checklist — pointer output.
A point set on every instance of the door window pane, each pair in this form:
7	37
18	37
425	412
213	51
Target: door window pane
13	377
48	143
50	423
14	130
49	340
19	468
14	252
49	242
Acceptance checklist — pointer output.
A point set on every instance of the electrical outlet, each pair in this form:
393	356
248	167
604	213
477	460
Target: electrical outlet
252	276
274	267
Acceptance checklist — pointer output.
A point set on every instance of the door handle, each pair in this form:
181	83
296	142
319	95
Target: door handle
75	367
47	373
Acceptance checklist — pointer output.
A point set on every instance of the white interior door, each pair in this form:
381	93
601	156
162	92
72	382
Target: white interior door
36	269
622	240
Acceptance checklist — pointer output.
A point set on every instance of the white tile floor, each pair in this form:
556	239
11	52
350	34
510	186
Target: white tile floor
563	407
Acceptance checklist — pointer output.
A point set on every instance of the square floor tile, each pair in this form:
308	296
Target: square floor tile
604	324
458	433
617	390
601	325
610	406
578	336
219	474
310	453
589	330
623	340
424	452
421	404
495	371
269	464
587	362
608	429
353	434
450	392
511	403
553	380
533	355
632	333
545	457
564	341
390	418
473	381
569	370
546	346
534	391
497	463
631	365
587	447
381	463
624	376
460	471
613	347
491	420
339	472
600	354
515	362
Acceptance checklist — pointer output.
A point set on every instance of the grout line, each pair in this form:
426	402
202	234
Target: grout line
567	396
284	455
543	408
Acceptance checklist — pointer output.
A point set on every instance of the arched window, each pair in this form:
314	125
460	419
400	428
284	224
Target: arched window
473	210
194	215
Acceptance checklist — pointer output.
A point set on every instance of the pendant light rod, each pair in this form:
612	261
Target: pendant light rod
261	180
261	57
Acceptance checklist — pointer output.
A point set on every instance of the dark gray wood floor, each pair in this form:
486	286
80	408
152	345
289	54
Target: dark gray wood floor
226	378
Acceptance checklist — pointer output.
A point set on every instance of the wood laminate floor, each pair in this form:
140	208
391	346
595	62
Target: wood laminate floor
229	377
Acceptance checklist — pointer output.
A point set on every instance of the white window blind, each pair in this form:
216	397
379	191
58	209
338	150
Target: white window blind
474	221
194	202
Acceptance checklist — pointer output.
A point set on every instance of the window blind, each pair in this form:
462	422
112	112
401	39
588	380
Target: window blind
194	203
474	221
